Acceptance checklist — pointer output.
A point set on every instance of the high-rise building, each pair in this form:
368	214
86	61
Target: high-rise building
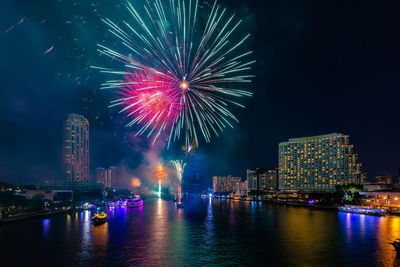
108	177
262	179
225	184
101	175
76	148
318	163
112	177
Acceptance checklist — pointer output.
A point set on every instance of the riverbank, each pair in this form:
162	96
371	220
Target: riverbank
34	215
280	202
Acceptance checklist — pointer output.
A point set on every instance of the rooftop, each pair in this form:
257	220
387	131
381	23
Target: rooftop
299	139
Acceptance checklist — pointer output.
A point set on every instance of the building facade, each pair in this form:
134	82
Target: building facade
225	184
112	177
52	195
101	175
384	179
241	189
107	177
262	179
318	163
76	148
382	199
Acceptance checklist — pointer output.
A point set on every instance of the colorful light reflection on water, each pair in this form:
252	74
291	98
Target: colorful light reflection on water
207	232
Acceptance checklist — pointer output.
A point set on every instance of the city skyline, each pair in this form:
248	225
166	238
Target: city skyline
199	133
289	94
71	125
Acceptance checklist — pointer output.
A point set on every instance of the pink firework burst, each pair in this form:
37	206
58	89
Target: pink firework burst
151	99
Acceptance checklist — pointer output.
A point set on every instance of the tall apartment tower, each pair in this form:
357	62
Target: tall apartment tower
112	177
318	163
76	148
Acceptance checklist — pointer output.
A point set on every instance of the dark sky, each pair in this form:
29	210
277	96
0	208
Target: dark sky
322	67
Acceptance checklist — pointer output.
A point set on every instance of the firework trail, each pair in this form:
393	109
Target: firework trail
179	167
202	65
160	174
48	50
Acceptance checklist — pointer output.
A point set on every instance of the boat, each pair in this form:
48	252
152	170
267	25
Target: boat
134	203
363	210
99	218
179	205
396	244
86	206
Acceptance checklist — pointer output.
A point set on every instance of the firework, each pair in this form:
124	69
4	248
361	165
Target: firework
149	99
190	149
179	167
160	174
197	67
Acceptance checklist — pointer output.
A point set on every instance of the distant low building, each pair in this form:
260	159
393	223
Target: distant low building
262	179
75	186
52	195
371	187
387	199
241	189
385	179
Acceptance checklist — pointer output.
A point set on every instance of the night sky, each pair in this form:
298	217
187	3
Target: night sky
322	67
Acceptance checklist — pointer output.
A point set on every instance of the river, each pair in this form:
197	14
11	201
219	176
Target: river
206	232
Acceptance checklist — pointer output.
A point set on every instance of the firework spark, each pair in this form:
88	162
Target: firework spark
201	65
190	149
149	98
179	167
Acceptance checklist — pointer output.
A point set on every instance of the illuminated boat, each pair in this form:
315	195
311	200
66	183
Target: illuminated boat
86	206
179	205
99	218
396	245
111	204
134	203
363	210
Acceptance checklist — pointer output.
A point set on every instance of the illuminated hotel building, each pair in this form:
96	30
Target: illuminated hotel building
318	163
76	148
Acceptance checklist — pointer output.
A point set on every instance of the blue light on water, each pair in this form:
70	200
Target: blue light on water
46	227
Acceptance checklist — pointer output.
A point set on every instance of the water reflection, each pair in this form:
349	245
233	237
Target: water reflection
209	232
100	240
86	235
46	228
208	235
359	230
